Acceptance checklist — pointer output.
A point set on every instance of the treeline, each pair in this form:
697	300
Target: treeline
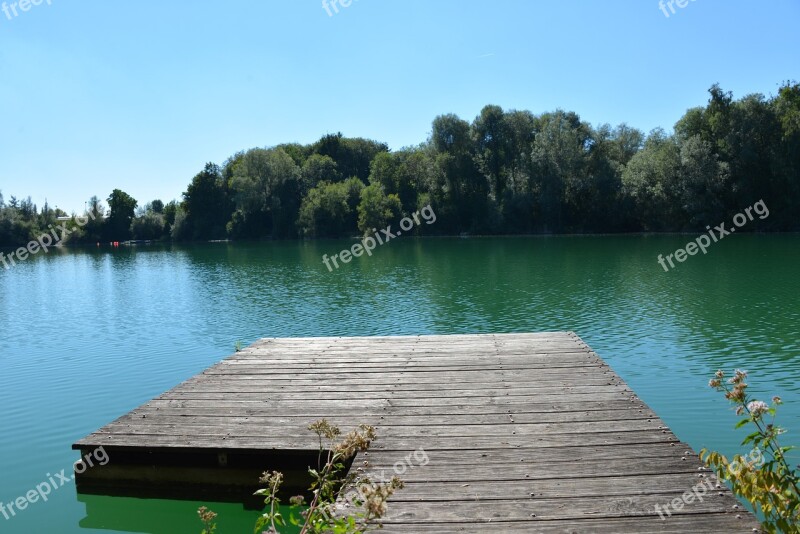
506	172
22	222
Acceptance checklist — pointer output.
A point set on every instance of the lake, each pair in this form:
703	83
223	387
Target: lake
88	335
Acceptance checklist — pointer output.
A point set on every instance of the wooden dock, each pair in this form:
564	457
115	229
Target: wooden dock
512	433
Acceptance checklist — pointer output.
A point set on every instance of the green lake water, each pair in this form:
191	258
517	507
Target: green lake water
87	335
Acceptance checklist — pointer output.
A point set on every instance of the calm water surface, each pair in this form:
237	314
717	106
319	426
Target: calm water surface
86	335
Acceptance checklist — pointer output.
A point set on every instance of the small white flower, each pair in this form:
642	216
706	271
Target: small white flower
757	408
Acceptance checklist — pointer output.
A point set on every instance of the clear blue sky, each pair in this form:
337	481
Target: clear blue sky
139	95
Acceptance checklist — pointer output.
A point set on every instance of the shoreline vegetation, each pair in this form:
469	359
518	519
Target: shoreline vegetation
507	173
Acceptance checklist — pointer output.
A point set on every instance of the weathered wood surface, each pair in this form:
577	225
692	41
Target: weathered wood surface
500	433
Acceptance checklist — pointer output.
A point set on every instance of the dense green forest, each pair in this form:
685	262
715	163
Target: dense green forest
507	172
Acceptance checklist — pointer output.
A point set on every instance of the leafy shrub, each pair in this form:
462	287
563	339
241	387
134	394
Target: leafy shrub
772	486
326	511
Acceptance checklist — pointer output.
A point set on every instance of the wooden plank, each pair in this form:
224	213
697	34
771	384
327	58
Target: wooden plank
546	470
573	453
386	432
503	376
709	523
443	343
399	371
537	511
217	391
277	421
427	442
530	376
508	401
455	357
329	391
315	410
623	486
555	440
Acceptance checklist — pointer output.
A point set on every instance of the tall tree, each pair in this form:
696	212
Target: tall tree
461	190
559	156
377	209
352	155
330	210
787	156
651	180
267	192
489	131
318	168
122	208
207	205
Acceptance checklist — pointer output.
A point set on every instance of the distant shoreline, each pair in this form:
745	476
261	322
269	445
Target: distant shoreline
356	238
